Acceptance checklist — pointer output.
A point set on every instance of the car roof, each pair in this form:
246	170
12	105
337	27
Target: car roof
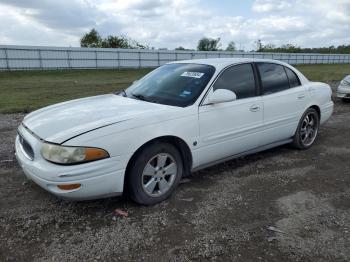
220	63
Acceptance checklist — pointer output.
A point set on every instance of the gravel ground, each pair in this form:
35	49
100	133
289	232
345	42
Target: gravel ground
278	205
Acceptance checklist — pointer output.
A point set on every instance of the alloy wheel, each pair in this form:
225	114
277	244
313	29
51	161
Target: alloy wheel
159	174
309	129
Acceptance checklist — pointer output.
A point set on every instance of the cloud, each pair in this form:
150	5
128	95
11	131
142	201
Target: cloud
171	23
262	6
17	28
57	14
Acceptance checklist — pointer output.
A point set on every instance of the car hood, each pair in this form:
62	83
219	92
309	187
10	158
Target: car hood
60	122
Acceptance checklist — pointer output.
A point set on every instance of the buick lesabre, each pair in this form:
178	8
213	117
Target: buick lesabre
181	117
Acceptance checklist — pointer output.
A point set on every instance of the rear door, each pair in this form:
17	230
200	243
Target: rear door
284	101
232	127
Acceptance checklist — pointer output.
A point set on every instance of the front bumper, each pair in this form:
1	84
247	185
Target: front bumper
98	179
343	91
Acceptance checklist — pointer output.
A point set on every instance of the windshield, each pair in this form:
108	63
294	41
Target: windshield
172	84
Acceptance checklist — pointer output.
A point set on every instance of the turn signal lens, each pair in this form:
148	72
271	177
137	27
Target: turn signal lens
95	153
69	186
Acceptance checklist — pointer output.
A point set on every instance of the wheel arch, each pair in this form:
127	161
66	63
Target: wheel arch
179	143
318	110
313	106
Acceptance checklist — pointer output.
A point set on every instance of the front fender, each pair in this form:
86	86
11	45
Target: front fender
125	143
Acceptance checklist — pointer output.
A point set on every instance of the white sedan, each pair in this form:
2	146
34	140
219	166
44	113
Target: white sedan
179	118
343	90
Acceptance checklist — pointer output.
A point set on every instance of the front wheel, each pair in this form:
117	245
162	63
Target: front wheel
307	129
155	173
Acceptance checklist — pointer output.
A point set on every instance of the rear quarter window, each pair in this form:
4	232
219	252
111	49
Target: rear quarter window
293	78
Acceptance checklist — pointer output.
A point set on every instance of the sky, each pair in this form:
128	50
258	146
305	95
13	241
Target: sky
173	23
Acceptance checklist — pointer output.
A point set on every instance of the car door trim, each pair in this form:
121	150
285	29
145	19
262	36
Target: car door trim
230	135
248	152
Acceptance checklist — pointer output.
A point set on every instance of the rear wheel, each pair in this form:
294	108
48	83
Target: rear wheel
307	129
155	173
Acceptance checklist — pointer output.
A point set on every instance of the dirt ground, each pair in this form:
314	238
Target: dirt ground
278	205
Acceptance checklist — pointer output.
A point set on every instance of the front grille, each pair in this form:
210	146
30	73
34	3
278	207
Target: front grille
26	147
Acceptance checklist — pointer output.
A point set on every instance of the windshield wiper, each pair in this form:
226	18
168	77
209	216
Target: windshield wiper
122	92
139	97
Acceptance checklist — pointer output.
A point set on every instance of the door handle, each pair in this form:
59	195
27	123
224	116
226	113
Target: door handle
255	108
301	96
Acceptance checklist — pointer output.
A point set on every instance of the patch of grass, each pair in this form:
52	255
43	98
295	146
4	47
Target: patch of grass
25	91
325	73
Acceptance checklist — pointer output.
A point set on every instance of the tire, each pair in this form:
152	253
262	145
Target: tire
346	99
154	173
307	130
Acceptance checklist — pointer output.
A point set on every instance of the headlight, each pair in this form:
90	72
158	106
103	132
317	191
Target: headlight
344	83
71	155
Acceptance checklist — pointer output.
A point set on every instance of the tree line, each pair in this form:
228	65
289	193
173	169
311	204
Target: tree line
290	48
94	39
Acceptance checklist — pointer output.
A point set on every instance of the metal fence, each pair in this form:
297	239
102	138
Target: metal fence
39	57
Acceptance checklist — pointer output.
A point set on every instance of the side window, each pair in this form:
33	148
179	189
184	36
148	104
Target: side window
273	78
239	79
293	78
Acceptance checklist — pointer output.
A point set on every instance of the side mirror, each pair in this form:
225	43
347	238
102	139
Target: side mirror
221	96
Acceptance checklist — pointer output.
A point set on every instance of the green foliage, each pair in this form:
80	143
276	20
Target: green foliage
136	45
209	44
25	91
115	42
93	39
231	46
259	45
290	48
180	48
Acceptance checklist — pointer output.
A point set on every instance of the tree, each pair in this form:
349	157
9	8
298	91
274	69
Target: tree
91	39
290	48
268	48
134	44
259	45
208	44
115	42
231	46
180	48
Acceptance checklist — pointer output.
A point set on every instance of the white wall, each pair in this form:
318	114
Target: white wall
40	57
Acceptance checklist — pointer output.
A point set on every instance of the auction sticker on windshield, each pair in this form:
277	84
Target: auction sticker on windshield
192	74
